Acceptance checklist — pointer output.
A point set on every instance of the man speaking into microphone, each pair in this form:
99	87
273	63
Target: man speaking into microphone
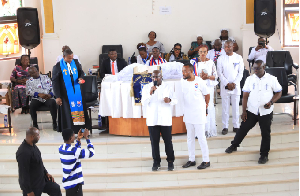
159	98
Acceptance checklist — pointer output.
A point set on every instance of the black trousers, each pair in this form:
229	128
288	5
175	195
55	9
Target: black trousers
35	104
51	188
265	128
75	191
166	133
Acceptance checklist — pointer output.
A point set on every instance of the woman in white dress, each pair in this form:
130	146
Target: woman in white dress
206	69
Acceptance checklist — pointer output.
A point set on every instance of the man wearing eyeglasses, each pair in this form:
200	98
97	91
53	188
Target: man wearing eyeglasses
260	51
258	107
159	98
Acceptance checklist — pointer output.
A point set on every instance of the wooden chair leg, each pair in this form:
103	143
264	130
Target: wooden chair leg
9	120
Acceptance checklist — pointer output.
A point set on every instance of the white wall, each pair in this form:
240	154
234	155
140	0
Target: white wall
250	39
87	25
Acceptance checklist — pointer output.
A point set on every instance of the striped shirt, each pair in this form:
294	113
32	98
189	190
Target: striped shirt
70	161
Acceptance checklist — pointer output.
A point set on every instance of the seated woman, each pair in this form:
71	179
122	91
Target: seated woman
224	37
155	59
175	54
144	55
19	76
151	43
195	46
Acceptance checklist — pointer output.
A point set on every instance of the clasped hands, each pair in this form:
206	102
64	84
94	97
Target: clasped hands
44	96
204	76
231	86
21	81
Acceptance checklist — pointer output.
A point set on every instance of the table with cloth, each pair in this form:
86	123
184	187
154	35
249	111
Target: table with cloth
125	116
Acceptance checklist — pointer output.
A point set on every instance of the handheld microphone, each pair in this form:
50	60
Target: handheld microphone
154	84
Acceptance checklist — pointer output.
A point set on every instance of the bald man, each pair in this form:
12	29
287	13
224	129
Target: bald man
39	87
34	179
214	54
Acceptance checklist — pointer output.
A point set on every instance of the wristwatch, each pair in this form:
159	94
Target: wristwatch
271	102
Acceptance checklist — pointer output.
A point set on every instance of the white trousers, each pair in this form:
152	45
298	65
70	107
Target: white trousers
234	99
210	126
199	131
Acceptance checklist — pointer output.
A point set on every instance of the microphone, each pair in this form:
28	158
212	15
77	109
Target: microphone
155	84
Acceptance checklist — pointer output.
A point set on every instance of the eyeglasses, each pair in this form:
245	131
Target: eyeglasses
177	48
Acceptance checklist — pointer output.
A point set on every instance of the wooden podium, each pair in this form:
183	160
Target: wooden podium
138	127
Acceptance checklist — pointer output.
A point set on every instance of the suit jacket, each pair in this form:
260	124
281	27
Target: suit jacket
106	69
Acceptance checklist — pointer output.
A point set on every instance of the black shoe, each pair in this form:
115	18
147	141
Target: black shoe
235	130
203	165
224	131
36	126
54	127
23	110
156	167
189	164
263	160
170	166
230	149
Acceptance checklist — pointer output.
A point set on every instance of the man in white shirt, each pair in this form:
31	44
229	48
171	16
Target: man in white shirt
230	70
258	107
260	51
61	56
214	54
159	99
195	102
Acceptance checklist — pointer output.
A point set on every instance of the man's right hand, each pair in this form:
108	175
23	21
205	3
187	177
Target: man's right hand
258	47
58	101
153	88
244	116
30	194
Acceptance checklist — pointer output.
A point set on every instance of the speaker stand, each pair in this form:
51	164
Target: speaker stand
29	53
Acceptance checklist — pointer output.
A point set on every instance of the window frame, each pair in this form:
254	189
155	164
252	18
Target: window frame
284	15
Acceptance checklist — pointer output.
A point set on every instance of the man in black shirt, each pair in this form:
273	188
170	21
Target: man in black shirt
33	176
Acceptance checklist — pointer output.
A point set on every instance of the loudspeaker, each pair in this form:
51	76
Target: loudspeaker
264	17
29	29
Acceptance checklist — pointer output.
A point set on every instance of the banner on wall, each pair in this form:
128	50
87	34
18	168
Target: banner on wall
138	82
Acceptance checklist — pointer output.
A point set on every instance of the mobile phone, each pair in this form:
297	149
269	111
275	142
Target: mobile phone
82	130
226	87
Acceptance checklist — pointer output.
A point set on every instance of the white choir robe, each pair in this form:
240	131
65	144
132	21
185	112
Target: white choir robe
230	70
157	111
210	69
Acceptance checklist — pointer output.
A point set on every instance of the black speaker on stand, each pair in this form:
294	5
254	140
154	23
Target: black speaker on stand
264	17
29	29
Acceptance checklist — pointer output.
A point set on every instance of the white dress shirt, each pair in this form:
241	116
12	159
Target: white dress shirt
230	70
61	56
261	54
208	67
211	53
194	106
158	112
115	66
261	92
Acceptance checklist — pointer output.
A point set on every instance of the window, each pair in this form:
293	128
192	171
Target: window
9	40
291	23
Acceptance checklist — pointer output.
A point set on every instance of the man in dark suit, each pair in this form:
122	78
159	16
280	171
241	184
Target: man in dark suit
112	65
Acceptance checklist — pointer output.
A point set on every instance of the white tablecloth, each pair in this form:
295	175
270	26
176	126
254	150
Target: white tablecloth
115	100
5	82
3	92
4	109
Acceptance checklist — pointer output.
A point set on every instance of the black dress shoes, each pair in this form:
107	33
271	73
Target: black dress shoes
156	166
230	149
224	131
203	165
235	130
170	166
263	160
54	127
189	164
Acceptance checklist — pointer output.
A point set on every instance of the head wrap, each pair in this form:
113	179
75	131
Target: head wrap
224	29
199	36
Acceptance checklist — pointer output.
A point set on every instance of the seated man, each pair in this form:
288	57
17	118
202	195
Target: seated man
39	87
155	59
112	65
260	51
195	46
214	54
61	56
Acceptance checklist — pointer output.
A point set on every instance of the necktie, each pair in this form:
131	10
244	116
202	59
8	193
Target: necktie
113	68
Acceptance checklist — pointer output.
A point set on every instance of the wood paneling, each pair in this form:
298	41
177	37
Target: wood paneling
138	127
249	11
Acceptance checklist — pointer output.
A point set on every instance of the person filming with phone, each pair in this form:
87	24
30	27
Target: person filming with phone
260	51
70	160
